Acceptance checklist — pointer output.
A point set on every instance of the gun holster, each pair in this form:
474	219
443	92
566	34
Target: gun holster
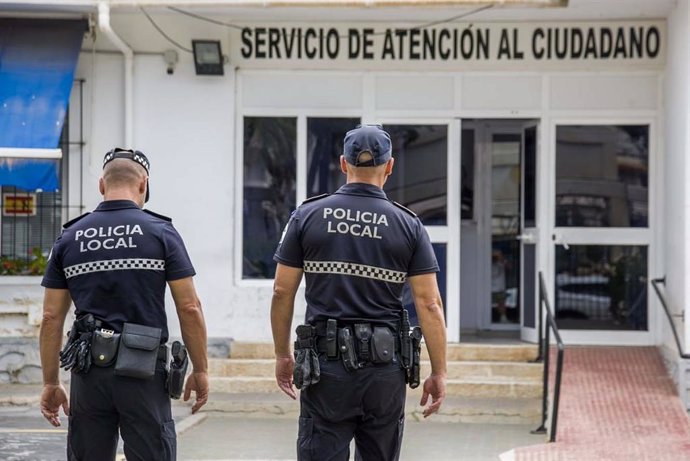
178	369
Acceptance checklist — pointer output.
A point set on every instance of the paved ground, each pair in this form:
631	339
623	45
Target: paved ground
617	404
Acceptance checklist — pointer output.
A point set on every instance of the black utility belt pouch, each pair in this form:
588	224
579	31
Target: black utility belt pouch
382	345
138	351
104	344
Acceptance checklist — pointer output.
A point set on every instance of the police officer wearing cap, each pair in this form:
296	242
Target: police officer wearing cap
356	249
114	264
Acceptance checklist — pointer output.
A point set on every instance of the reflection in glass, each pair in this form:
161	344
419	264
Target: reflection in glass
530	186
602	174
601	287
505	227
324	148
408	301
420	176
467	179
269	190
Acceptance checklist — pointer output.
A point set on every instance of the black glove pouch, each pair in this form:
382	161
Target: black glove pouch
382	345
138	351
307	369
104	344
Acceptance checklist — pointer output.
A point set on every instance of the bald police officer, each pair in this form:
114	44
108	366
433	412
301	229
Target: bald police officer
357	249
114	264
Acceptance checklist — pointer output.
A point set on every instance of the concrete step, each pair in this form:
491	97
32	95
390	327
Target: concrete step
454	409
519	352
456	369
484	388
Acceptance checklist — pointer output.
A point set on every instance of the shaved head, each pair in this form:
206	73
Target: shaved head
124	179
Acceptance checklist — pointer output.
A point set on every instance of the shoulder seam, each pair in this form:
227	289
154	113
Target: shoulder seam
316	197
404	208
156	215
72	221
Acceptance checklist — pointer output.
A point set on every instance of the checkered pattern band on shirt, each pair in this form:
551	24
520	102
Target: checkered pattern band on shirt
115	265
357	270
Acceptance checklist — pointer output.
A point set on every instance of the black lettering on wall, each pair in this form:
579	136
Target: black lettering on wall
504	45
605	43
467	44
560	43
620	44
288	45
483	44
401	34
368	42
309	51
353	43
636	35
414	43
443	51
429	48
388	48
332	43
246	42
517	54
259	42
590	45
653	42
576	40
537	43
273	42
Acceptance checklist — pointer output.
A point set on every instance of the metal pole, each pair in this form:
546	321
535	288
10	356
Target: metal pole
556	393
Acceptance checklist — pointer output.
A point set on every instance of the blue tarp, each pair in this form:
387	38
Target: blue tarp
37	63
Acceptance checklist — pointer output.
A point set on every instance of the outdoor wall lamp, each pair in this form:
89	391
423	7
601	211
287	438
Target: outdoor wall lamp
208	58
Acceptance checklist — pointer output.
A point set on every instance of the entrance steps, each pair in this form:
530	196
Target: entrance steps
488	383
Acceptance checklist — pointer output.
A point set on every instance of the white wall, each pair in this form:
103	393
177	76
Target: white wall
676	224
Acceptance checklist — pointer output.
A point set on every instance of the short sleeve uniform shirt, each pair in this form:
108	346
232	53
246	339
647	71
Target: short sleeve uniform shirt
357	249
116	261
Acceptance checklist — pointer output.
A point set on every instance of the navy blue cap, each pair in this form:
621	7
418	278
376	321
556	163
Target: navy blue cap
134	155
367	138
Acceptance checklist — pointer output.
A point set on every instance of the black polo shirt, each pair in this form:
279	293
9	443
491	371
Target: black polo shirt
357	249
115	263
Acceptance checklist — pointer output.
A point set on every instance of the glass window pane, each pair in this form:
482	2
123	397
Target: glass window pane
602	174
467	158
324	148
420	176
269	190
530	141
601	287
408	301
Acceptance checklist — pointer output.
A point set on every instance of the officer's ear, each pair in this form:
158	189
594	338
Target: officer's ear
343	164
389	166
101	185
143	183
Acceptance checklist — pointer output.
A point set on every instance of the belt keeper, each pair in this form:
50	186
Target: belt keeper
331	338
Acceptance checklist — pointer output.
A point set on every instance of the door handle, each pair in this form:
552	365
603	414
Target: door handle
527	238
558	240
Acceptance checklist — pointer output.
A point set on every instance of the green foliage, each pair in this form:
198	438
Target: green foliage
35	264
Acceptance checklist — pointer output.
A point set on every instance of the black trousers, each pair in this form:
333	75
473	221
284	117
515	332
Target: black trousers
101	403
367	404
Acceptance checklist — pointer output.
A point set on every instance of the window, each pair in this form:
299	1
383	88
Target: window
601	287
269	190
420	176
602	175
324	148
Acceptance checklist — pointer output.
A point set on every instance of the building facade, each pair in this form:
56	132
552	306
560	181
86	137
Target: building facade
528	140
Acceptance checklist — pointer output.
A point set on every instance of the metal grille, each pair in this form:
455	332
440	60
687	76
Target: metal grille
22	236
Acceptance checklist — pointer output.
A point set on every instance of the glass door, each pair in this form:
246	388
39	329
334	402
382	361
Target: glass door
602	238
528	236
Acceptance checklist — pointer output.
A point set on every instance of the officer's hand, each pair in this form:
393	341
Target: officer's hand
284	368
434	385
197	382
52	398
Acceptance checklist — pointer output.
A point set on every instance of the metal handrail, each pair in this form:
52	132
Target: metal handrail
545	356
662	281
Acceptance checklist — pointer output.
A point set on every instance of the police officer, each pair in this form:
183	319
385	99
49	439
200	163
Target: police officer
357	249
114	264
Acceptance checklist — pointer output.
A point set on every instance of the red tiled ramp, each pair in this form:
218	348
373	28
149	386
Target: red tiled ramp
617	403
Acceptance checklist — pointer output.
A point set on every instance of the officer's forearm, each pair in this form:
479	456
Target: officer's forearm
50	340
434	329
283	305
193	329
282	308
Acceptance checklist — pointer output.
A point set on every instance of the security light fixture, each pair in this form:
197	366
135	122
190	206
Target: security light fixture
208	59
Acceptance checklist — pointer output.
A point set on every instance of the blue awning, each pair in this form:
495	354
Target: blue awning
37	63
